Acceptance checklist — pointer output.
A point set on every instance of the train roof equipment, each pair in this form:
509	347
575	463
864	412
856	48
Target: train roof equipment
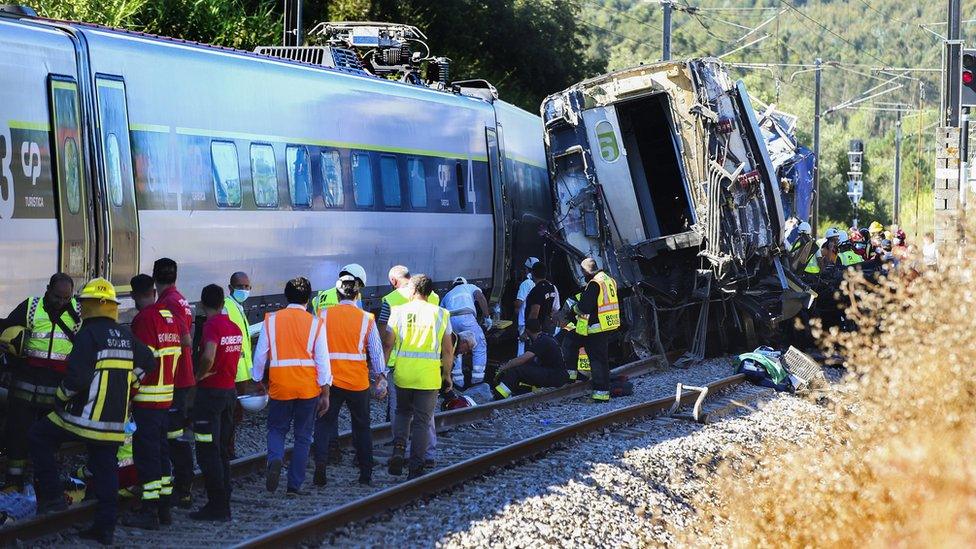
661	172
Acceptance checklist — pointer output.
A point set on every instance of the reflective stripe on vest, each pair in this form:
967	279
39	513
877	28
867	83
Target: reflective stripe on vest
47	343
608	307
346	328
418	330
161	391
291	338
236	315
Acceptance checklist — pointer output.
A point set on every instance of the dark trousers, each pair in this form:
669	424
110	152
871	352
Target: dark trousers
180	451
282	414
24	407
522	379
328	425
213	428
150	452
45	438
597	348
414	410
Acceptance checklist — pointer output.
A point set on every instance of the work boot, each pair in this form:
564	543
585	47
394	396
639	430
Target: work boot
184	498
104	537
294	492
211	512
146	518
55	505
335	453
319	479
273	475
395	465
366	477
163	510
415	472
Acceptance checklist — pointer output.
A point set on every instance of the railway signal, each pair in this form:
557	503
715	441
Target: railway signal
969	78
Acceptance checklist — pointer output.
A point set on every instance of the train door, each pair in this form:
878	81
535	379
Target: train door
121	218
75	249
499	201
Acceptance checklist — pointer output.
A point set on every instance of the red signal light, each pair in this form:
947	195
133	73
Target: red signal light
967	77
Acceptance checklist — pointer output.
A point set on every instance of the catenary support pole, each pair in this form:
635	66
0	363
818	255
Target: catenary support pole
816	148
896	214
666	39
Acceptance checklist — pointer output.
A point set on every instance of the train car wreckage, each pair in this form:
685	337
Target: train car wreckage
663	174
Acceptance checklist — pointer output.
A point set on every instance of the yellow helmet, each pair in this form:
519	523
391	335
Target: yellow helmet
12	340
99	288
875	227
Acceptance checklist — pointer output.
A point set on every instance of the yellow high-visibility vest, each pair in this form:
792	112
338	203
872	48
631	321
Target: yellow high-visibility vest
418	329
608	308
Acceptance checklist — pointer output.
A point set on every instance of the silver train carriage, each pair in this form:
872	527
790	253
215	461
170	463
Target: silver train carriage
117	148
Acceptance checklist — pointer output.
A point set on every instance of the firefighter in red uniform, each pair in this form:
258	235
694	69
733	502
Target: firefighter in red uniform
156	327
181	454
48	325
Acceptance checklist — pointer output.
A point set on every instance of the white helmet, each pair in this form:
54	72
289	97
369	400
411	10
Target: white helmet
356	270
805	228
530	262
834	232
842	237
253	403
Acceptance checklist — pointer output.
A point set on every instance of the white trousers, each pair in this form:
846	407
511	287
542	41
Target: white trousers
479	355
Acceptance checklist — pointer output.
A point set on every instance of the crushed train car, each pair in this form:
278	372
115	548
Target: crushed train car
663	174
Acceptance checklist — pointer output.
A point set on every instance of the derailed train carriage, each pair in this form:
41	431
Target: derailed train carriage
661	172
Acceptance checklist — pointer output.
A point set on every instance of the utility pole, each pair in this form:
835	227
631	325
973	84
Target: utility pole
816	149
292	23
666	39
896	215
949	137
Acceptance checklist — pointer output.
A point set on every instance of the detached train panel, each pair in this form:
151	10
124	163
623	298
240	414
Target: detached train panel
118	148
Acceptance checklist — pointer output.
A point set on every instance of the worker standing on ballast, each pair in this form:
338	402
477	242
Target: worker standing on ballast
39	332
523	292
418	343
155	326
597	315
293	347
466	302
330	298
400	280
239	289
180	451
356	358
213	410
92	404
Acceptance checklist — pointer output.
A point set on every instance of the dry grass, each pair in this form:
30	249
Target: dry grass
896	464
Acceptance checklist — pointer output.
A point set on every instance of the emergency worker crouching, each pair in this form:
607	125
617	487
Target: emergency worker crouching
466	302
92	406
40	332
597	314
541	365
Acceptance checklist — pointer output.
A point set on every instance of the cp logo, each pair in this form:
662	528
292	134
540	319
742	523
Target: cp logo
30	157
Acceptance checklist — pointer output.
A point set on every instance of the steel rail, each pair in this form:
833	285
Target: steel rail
442	479
55	522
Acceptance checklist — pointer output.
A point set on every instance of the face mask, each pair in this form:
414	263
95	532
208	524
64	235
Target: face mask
241	295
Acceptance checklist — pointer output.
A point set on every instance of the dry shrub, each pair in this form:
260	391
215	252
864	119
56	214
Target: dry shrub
895	465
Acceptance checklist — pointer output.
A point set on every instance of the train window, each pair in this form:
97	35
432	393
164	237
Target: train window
332	178
72	175
390	178
113	159
362	179
417	179
226	174
264	176
462	188
299	184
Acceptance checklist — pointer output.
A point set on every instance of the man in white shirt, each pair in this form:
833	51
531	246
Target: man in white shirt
523	292
464	302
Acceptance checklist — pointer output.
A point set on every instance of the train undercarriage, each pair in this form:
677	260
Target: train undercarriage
662	174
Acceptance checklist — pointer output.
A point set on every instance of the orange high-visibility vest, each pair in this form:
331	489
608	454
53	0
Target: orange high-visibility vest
346	328
291	339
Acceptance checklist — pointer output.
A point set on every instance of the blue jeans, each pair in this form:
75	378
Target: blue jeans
282	414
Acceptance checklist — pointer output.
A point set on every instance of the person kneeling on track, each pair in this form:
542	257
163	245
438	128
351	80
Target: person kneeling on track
541	365
213	411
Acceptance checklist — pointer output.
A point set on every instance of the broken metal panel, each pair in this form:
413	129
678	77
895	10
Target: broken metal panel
662	173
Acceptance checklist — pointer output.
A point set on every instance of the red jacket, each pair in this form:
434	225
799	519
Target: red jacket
172	300
157	327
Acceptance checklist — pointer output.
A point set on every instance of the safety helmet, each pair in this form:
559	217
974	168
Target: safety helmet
875	227
12	340
356	270
100	289
460	280
530	262
842	238
455	401
805	228
253	403
834	232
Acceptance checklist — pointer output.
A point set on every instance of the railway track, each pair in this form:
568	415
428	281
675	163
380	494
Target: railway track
248	466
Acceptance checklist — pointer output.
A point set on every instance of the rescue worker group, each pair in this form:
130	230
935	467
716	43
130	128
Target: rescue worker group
133	394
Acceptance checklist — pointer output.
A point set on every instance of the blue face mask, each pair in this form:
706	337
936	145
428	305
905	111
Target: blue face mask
241	295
